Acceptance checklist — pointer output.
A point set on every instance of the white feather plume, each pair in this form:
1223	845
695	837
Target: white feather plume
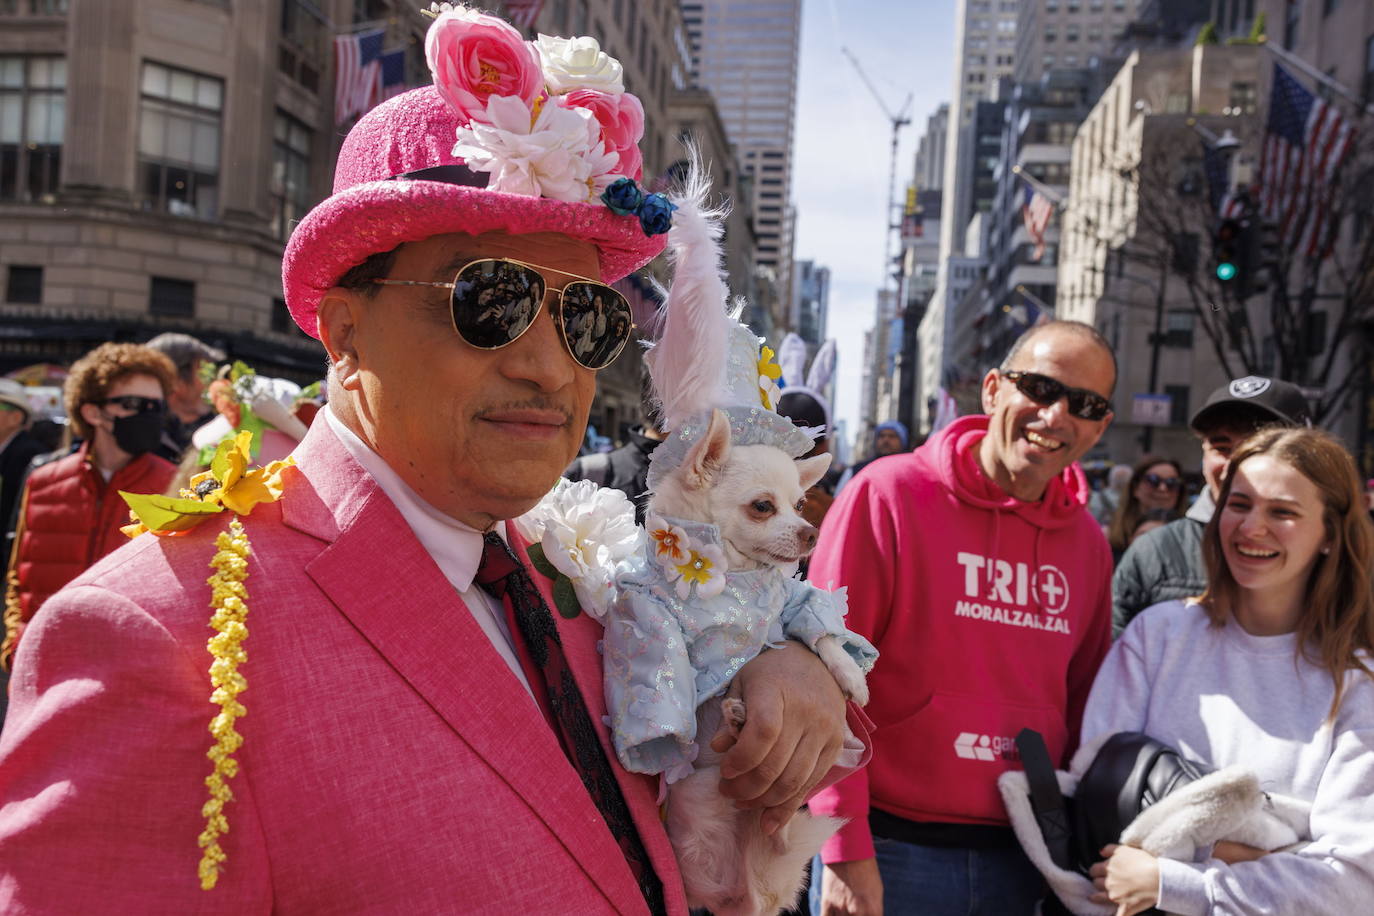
792	359
822	367
687	363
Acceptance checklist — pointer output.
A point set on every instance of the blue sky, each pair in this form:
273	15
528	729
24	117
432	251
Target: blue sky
843	146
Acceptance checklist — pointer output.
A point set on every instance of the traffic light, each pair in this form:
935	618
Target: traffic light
1232	241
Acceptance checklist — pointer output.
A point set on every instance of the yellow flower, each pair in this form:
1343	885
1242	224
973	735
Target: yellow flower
769	373
240	489
697	569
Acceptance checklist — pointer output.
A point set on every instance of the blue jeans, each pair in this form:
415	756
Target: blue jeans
936	881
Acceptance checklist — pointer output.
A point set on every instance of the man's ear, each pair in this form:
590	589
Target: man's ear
91	414
337	321
990	390
810	470
708	454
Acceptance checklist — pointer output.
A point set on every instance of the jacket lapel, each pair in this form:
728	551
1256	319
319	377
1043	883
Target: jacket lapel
428	636
581	637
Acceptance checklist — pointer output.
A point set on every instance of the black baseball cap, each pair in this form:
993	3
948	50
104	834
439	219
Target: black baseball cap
1269	399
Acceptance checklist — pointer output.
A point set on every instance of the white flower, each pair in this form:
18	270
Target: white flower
668	543
438	8
560	156
586	531
578	63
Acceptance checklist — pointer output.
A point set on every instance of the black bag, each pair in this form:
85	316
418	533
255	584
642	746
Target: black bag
1130	773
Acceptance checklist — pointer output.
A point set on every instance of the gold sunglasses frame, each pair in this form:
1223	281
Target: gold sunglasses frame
548	288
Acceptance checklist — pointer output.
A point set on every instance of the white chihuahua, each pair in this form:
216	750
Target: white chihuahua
753	494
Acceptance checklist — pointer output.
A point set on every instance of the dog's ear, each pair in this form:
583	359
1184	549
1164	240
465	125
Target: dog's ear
810	470
708	454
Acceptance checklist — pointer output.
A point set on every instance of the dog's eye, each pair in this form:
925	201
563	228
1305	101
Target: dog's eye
762	507
801	503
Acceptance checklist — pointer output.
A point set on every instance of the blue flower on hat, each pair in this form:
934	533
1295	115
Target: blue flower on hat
623	197
656	214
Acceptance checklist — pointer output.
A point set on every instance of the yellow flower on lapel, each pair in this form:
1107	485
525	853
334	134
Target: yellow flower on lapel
239	490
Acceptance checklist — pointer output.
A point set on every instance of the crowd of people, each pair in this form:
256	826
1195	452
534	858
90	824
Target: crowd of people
398	721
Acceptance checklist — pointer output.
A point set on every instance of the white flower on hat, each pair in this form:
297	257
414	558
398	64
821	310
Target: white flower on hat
560	156
578	63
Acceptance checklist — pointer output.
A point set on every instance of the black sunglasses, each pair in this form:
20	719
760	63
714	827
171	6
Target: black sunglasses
495	300
1168	483
136	403
1043	390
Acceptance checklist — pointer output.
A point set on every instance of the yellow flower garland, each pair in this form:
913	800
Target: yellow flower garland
229	598
229	484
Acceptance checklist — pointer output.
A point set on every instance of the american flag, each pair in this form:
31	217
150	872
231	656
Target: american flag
1305	142
355	72
391	76
1036	213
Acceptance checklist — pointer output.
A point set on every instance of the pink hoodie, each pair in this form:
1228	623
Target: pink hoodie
989	614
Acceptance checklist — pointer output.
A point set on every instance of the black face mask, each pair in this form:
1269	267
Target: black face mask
139	433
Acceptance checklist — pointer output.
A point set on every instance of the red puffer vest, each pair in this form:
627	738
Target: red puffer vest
72	518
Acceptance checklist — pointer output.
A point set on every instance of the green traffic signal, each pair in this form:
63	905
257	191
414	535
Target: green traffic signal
1226	271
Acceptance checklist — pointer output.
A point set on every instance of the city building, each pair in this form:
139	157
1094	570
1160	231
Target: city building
813	304
1069	34
1130	259
746	53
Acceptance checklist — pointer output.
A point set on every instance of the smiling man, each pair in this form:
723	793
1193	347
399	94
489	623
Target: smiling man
974	568
420	734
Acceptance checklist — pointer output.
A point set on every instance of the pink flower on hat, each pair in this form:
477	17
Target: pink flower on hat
560	156
474	57
622	125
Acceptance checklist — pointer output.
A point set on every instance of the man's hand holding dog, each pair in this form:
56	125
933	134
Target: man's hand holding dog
792	734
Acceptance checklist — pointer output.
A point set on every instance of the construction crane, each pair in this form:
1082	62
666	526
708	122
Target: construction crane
899	120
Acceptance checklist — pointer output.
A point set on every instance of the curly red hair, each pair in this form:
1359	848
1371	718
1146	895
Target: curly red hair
93	375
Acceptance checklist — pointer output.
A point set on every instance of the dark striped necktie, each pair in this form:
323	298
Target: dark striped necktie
501	576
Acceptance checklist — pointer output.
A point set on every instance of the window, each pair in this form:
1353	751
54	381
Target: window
178	141
1369	69
33	117
25	284
172	297
1050	36
1244	98
1329	6
1178	405
1292	14
290	173
1178	329
302	51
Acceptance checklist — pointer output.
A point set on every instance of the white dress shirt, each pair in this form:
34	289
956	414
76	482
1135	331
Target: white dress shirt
456	548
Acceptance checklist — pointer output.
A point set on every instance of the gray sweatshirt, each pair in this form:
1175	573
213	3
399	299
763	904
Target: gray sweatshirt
1222	697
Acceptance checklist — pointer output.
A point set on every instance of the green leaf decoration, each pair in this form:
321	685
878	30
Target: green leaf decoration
168	513
541	562
565	598
219	465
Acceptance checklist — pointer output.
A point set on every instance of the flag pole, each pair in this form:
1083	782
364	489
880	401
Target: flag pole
1054	196
1293	60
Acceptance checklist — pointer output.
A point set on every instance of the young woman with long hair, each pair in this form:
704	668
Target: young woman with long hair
1270	668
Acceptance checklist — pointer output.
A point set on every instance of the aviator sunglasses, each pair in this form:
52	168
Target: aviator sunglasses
1043	390
135	403
495	300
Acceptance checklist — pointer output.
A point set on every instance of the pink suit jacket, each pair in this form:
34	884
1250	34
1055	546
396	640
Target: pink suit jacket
392	763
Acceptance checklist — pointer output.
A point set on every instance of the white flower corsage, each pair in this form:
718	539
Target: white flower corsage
580	533
578	63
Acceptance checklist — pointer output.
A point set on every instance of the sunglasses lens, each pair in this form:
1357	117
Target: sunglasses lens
495	301
1088	406
136	403
1041	389
596	323
1168	483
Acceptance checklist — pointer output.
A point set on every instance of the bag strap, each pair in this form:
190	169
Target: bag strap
1046	799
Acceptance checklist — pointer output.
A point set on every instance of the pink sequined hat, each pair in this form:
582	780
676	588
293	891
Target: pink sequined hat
518	136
